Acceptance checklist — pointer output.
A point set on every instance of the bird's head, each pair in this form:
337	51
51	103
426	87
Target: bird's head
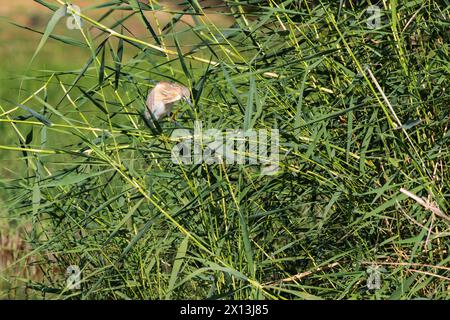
185	94
172	92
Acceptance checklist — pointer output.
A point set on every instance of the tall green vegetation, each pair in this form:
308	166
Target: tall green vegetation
363	116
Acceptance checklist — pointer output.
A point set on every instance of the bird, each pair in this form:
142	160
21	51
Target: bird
162	97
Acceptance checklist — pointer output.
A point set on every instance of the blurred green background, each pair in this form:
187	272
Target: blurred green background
19	21
17	46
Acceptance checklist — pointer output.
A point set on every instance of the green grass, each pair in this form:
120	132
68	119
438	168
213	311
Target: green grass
361	112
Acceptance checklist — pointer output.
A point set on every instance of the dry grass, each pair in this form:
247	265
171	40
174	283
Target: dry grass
15	265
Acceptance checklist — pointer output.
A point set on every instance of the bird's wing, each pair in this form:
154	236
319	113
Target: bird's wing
151	100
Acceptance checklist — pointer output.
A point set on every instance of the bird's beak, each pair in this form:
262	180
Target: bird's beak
188	101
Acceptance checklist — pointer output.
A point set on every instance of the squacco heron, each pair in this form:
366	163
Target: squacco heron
162	97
